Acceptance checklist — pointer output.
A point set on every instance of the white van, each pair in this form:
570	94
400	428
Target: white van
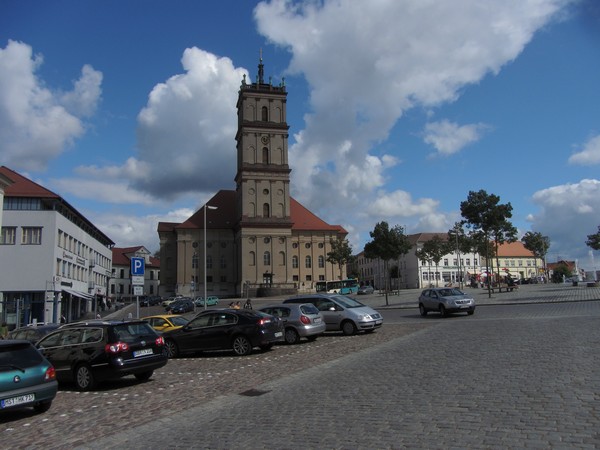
342	313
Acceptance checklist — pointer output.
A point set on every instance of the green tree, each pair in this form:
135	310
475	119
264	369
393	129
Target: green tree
560	272
340	254
538	244
593	240
488	221
387	244
433	251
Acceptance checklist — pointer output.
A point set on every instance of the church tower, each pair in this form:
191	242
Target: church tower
262	182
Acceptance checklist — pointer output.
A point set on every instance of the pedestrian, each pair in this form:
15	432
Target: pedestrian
3	330
237	305
63	319
98	316
248	304
232	305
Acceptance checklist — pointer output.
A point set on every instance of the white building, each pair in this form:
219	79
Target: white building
54	261
121	288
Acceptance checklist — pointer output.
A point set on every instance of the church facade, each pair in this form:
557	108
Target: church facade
255	240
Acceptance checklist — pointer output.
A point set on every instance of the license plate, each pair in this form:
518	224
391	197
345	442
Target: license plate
146	351
317	320
17	400
279	334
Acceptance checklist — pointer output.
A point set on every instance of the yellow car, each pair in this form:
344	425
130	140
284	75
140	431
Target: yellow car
166	322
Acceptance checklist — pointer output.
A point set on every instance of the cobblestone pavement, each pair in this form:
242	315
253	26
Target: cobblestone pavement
529	381
511	379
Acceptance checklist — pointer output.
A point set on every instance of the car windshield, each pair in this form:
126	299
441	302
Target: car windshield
347	302
179	321
19	355
450	292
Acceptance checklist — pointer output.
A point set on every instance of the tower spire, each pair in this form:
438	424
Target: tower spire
261	69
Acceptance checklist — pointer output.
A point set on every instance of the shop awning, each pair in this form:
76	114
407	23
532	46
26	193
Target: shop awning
83	295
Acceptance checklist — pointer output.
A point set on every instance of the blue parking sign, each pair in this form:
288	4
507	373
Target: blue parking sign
137	266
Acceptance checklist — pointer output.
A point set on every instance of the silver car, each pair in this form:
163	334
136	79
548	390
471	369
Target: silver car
342	313
299	320
445	301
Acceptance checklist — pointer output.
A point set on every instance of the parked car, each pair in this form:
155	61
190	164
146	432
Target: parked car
89	352
166	322
170	300
150	300
239	330
32	333
445	301
181	307
299	320
366	289
26	377
210	301
341	312
179	301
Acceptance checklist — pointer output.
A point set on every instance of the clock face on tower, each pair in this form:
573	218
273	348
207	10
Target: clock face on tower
265	139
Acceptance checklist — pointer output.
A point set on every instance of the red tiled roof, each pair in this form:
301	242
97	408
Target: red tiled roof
120	258
225	216
514	249
24	187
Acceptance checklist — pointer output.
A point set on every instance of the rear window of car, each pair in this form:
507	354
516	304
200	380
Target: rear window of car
309	309
22	355
130	332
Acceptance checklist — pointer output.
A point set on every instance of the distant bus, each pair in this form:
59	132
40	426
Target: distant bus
349	286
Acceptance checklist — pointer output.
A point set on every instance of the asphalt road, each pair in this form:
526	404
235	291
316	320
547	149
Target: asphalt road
510	376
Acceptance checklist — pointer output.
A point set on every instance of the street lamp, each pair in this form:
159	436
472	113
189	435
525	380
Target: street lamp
206	206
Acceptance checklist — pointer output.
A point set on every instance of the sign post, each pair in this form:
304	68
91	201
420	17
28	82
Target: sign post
138	268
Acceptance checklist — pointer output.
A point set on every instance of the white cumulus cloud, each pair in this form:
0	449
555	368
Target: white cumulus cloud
449	137
590	153
36	123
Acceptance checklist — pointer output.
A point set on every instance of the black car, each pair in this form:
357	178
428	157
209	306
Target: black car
151	300
181	307
179	301
26	377
97	350
32	333
237	329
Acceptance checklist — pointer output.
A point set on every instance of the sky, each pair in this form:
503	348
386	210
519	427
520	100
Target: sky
397	108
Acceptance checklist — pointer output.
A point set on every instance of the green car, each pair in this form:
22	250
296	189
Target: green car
27	379
210	301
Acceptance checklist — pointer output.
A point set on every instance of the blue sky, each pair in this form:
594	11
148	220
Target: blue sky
396	109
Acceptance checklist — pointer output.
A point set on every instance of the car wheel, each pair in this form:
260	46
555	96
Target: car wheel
144	376
241	345
84	378
171	349
348	328
443	311
291	336
42	407
422	310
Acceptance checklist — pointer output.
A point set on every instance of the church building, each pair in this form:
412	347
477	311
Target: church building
255	240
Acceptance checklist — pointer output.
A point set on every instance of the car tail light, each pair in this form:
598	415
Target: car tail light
117	347
262	322
160	341
50	374
305	320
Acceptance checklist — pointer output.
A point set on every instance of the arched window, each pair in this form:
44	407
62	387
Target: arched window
308	262
321	261
282	258
294	262
252	259
265	155
265	114
267	259
266	212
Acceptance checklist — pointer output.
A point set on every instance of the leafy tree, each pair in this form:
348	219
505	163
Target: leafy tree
340	254
593	240
559	273
488	220
433	251
538	244
387	244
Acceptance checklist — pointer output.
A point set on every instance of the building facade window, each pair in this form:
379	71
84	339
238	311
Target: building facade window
308	262
267	259
266	210
223	262
294	262
8	235
209	262
282	258
321	262
265	114
31	236
252	259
